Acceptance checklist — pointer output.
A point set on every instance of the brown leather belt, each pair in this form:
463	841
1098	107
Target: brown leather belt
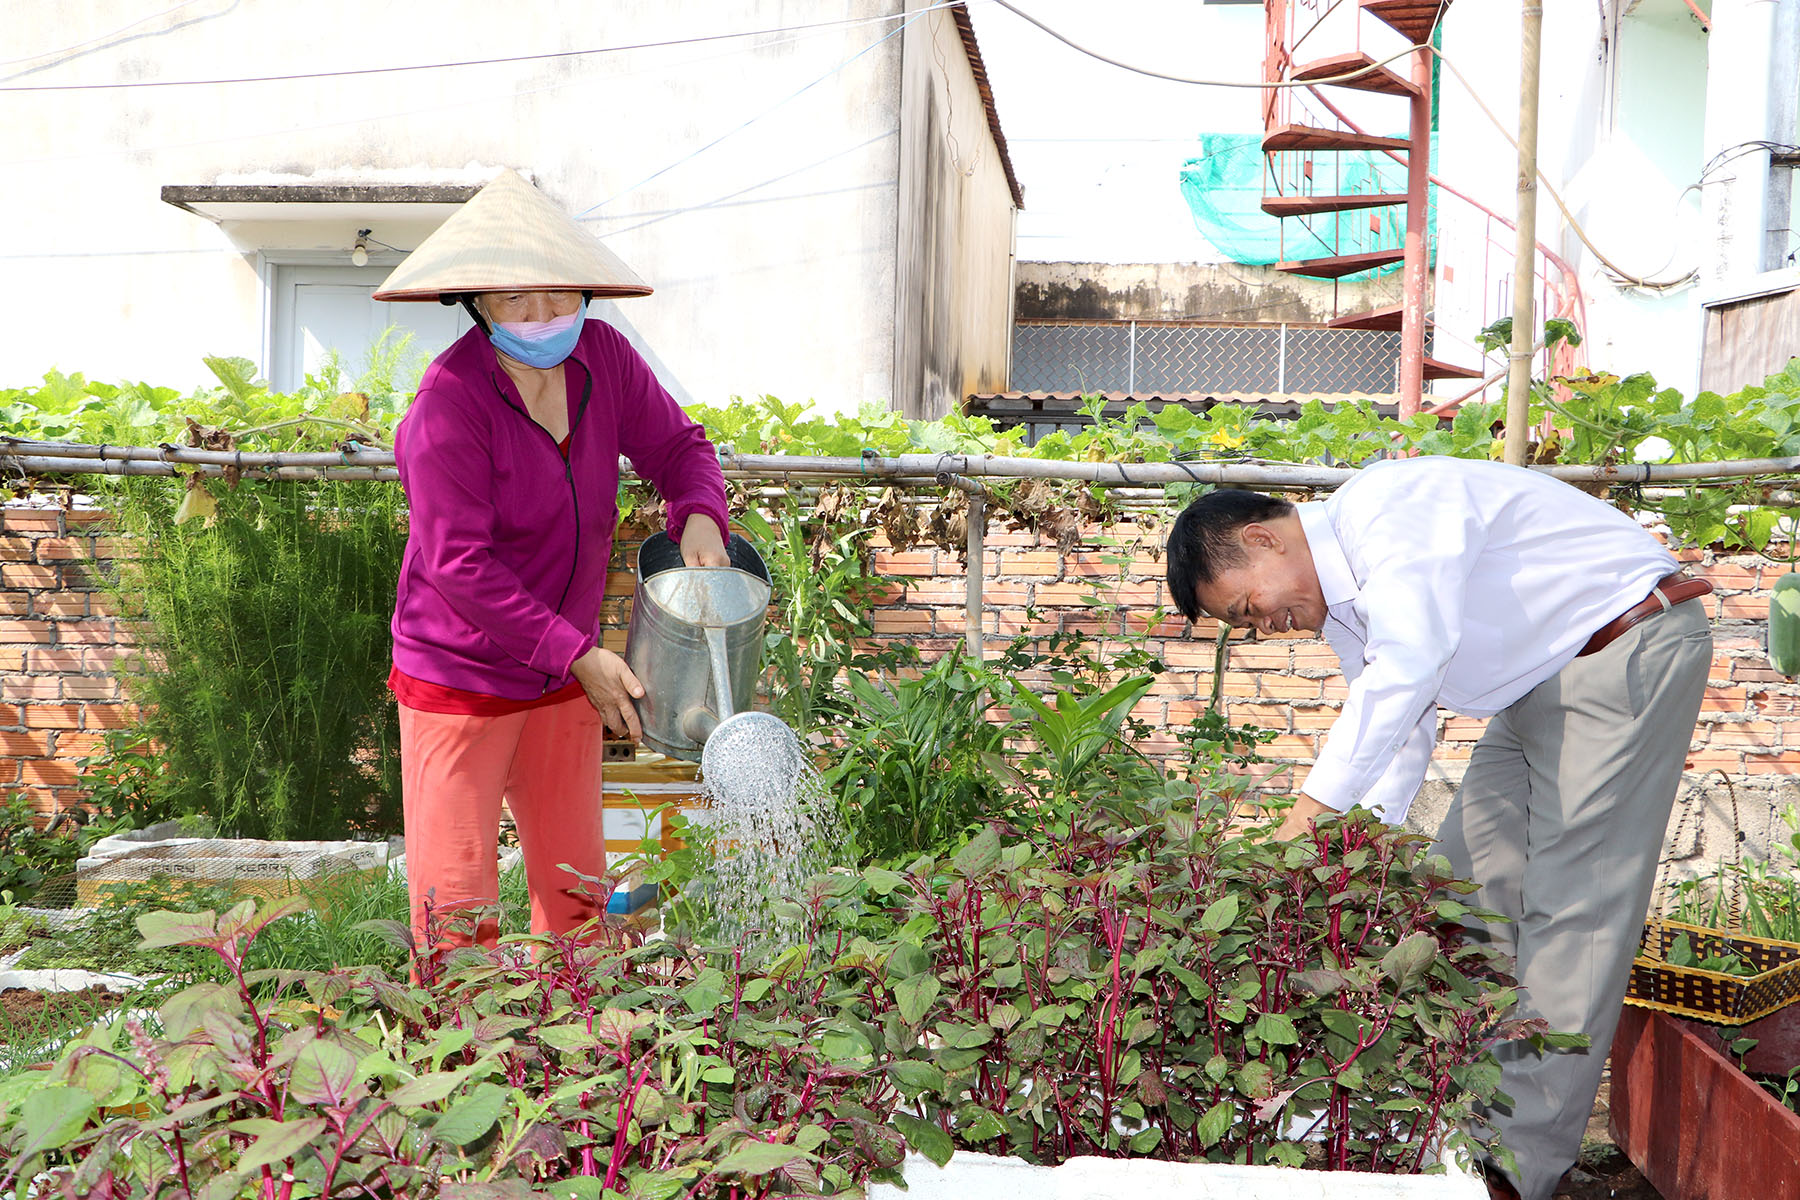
1669	591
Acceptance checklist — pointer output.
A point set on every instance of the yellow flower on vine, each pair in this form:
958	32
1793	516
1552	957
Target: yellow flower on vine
1228	439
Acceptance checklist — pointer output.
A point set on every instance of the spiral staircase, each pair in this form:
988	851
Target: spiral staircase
1350	47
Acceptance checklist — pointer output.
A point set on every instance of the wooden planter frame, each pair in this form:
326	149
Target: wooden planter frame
1692	1122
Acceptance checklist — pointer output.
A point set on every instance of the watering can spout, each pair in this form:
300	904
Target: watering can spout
698	723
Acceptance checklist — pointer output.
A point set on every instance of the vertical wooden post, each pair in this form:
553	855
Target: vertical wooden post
1524	330
1416	265
975	559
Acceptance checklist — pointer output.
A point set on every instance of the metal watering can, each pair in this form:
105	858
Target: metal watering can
695	643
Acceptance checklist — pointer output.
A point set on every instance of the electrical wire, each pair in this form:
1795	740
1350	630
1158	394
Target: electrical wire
98	37
1260	84
753	120
484	62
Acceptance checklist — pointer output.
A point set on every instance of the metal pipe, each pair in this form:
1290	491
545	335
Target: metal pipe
62	465
1524	332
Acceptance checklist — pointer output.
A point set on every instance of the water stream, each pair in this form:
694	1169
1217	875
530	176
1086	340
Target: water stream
774	827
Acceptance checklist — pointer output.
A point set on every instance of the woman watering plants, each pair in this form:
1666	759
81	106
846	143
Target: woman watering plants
509	456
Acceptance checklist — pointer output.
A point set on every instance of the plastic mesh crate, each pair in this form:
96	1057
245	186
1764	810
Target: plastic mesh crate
251	868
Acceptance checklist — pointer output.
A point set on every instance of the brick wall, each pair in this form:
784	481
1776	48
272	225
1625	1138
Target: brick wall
59	645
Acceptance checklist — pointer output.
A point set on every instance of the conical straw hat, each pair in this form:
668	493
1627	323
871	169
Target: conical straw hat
510	237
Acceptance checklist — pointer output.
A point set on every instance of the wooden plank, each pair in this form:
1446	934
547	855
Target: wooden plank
1376	318
1381	79
1336	266
1695	1125
1300	206
1309	137
1412	19
1748	340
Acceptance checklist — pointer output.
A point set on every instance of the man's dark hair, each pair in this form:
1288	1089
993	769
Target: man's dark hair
1205	540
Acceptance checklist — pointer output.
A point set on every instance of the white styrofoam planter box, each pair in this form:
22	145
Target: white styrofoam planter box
989	1177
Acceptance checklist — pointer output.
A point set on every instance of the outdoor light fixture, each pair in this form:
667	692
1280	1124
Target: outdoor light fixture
359	253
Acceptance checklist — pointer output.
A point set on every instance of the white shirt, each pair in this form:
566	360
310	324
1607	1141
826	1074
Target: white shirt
1455	582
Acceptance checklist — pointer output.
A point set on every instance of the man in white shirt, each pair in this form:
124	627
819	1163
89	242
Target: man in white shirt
1497	592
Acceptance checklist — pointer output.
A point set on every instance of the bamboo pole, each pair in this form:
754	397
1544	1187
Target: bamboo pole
1518	380
905	470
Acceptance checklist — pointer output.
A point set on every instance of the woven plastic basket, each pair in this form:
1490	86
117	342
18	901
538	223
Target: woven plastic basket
1712	996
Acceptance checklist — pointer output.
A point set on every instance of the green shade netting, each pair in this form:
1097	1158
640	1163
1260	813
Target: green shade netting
1223	187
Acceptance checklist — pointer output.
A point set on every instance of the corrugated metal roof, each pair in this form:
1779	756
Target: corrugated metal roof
1066	405
960	12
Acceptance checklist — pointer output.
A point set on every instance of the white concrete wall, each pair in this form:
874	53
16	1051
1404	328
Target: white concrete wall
1635	99
772	251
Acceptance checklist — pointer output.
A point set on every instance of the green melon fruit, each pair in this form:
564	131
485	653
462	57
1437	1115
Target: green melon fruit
1784	625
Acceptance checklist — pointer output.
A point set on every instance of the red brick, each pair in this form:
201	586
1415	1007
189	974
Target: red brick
613	639
89	687
84	518
72	745
63	549
12	660
41	633
1730	577
1260	656
9	716
1710	760
53	715
56	660
1291	745
928	590
1312	720
1291	687
109	716
1748	671
29	575
1009	624
1784	763
1744	733
1723	699
117	547
60	604
901	620
907	562
1464	729
25	745
31	687
15	548
88	632
1189	653
1030	562
32	520
1747	607
48	772
15	603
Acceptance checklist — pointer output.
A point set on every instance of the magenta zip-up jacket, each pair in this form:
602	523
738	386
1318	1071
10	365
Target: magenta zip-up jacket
506	556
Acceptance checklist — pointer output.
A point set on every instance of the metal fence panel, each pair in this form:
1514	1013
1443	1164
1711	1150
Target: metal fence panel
1342	360
1072	358
1151	357
1183	358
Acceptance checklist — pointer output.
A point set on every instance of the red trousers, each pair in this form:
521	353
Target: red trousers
455	770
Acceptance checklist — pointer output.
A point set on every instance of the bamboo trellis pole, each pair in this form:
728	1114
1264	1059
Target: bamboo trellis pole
813	471
913	470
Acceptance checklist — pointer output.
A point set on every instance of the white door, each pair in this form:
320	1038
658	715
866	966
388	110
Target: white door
321	310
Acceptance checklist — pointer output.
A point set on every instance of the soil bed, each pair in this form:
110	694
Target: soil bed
25	1008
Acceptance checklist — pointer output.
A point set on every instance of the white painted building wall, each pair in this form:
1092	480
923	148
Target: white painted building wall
750	180
1637	101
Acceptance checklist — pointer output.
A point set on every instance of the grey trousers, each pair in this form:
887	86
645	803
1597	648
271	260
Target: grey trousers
1561	819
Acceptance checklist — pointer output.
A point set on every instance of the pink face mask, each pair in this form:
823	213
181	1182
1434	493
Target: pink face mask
540	344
